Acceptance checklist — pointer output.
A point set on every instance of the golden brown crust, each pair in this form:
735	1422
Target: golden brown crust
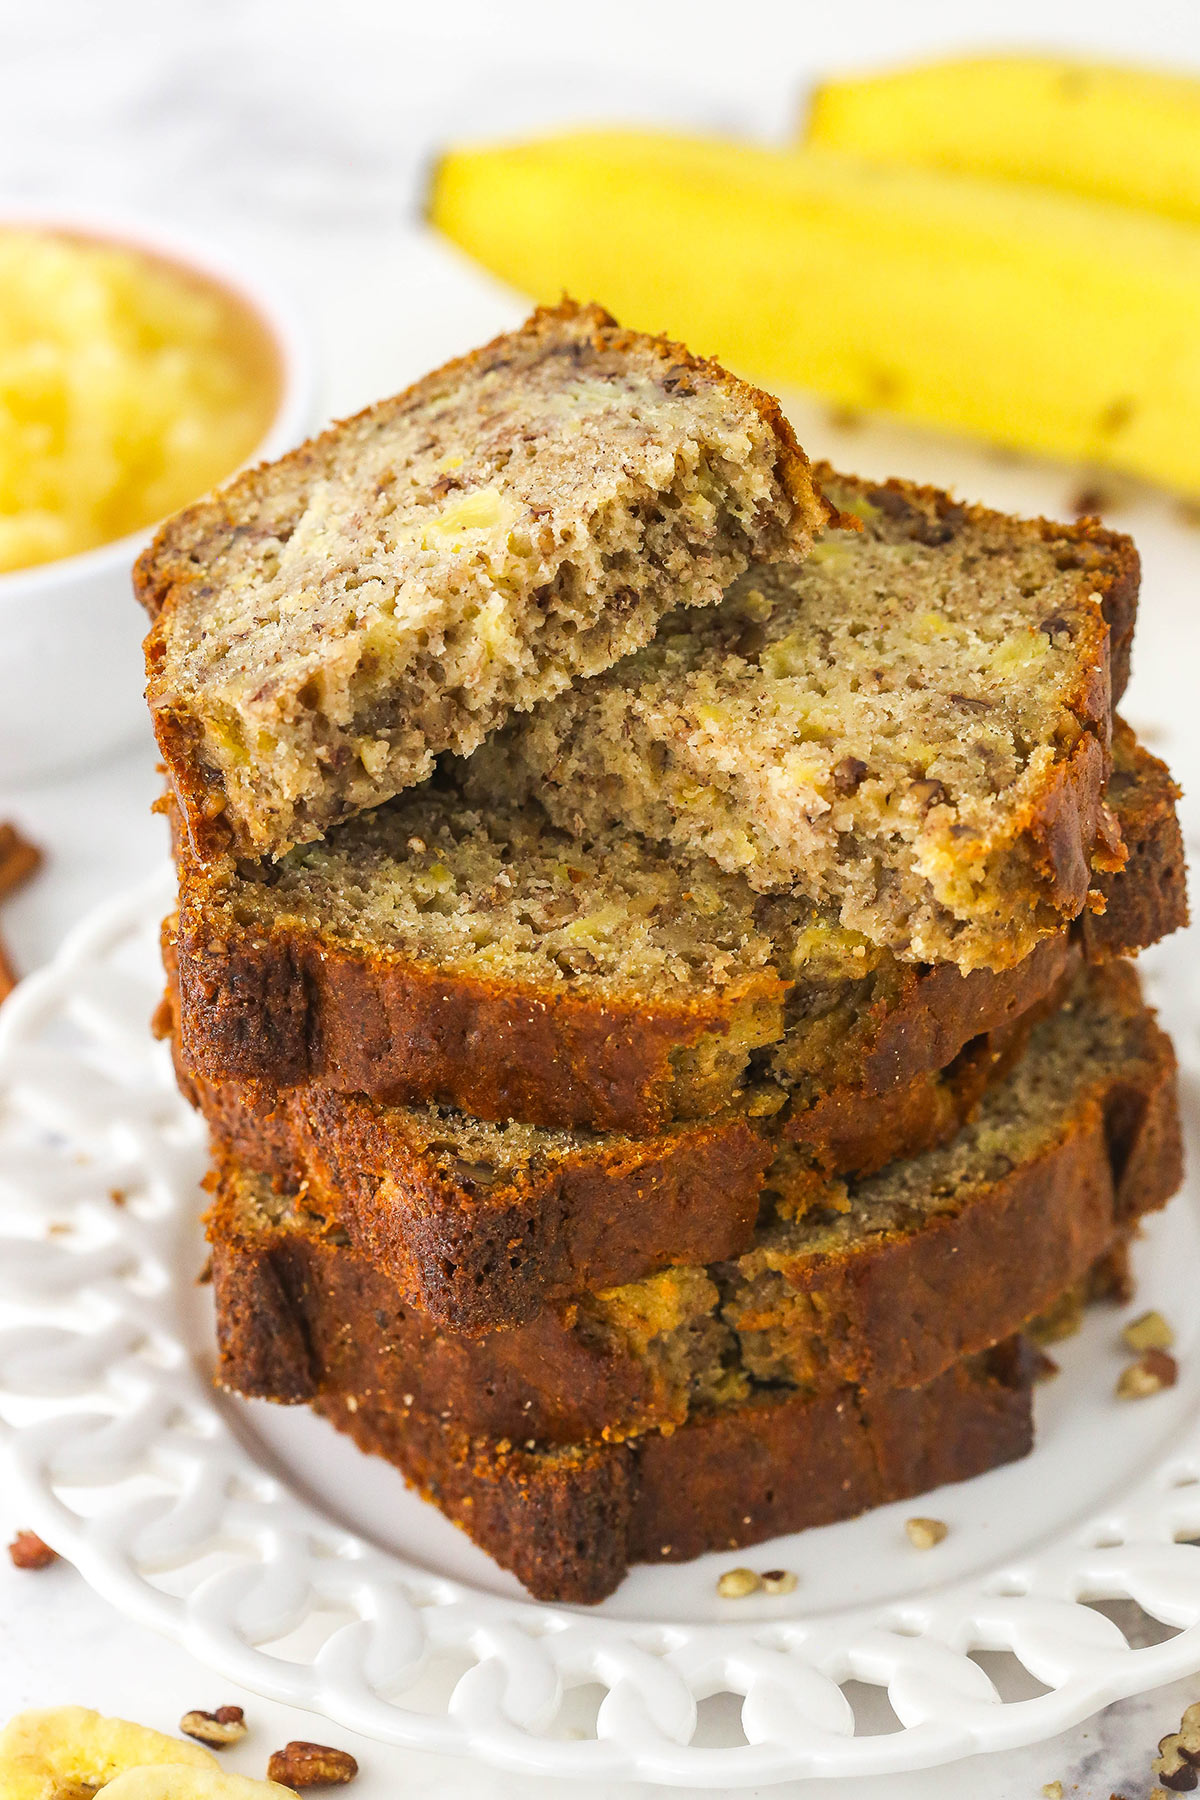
1146	900
288	1008
172	565
478	1255
570	1523
886	1308
479	1249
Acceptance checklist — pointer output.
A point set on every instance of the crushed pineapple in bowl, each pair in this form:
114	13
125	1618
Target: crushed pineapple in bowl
134	376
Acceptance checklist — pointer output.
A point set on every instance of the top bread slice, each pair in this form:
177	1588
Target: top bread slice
327	624
432	953
912	727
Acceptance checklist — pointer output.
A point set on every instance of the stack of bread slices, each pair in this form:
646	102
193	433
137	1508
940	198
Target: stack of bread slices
652	950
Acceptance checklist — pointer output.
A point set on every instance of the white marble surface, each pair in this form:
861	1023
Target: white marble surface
296	135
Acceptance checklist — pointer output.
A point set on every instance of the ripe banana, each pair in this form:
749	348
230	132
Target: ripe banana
1121	134
70	1753
1025	317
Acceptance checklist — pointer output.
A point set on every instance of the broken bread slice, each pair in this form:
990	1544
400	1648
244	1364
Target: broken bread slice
434	952
327	624
911	728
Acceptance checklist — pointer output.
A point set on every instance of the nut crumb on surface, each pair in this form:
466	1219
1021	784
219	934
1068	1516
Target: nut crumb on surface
1150	1331
779	1581
304	1765
219	1729
8	974
1150	1374
1177	1764
1053	1790
923	1534
27	1551
1090	501
735	1584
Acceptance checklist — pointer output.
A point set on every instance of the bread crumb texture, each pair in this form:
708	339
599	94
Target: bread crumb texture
330	623
912	726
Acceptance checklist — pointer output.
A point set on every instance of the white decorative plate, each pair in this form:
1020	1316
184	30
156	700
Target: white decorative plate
295	1566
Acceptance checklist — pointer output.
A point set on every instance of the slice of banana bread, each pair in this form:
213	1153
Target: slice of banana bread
327	624
912	728
431	953
481	1225
899	1276
569	1521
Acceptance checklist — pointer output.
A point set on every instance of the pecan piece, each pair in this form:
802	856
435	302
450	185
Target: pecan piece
19	859
929	793
216	1729
849	774
735	1584
1178	1756
778	1581
678	379
923	1534
1150	1374
304	1765
27	1551
1149	1331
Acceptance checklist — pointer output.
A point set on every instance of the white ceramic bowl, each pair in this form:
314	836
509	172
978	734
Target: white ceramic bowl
71	670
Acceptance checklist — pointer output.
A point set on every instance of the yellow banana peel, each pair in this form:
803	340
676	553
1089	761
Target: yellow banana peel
1121	134
1028	318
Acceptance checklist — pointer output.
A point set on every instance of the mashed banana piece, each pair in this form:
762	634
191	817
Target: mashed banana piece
128	386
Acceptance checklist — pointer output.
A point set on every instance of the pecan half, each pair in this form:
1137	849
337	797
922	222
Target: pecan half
304	1765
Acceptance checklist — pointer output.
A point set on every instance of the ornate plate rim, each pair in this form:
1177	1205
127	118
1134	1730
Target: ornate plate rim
293	1567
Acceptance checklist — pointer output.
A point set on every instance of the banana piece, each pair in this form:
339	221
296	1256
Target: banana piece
70	1753
166	1783
1022	316
1121	134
